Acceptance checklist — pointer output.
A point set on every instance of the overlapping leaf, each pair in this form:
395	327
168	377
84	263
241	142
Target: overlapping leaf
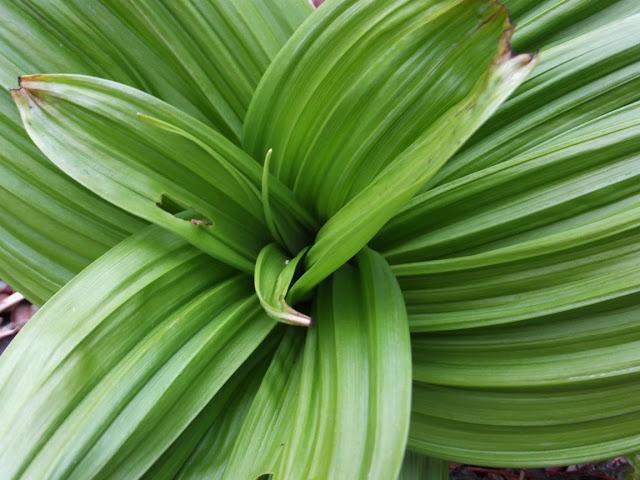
341	408
356	133
91	129
134	348
534	427
156	47
50	227
541	22
220	48
533	230
86	36
266	428
203	449
549	228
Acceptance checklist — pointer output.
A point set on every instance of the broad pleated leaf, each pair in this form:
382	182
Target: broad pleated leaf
50	227
532	230
541	22
600	342
527	427
356	133
202	450
577	81
266	429
188	55
338	408
131	350
220	48
91	129
272	277
324	115
584	276
548	224
86	36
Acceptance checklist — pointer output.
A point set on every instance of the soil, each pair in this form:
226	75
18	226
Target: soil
619	468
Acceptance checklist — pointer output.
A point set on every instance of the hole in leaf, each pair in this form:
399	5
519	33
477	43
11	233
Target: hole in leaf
180	211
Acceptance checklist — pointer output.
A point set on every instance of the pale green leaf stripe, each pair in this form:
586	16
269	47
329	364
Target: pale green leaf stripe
89	127
272	276
203	449
190	54
220	48
337	408
357	133
50	226
588	344
194	324
549	219
534	428
266	428
84	36
541	22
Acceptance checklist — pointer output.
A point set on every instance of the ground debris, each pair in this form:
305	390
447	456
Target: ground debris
15	312
618	468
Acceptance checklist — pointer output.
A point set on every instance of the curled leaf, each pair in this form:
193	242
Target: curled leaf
273	275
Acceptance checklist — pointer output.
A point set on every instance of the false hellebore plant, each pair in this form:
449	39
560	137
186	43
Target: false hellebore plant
308	242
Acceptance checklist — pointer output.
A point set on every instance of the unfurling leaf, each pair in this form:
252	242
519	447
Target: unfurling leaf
272	278
337	406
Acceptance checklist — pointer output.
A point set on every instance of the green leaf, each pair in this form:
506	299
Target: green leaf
354	398
51	227
267	426
202	450
220	48
205	57
272	277
355	134
553	185
531	232
90	128
87	36
583	277
591	343
526	427
541	22
578	81
124	369
323	115
339	407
